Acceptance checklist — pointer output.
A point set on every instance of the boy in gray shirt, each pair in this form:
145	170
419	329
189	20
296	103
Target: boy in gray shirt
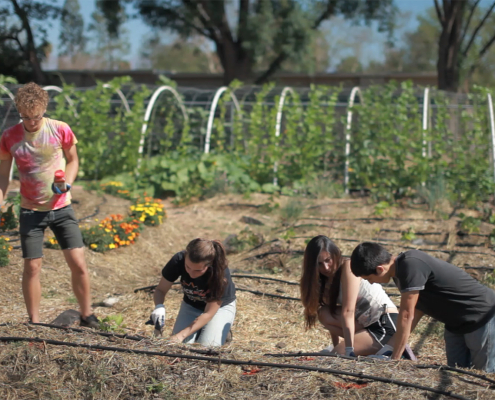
445	292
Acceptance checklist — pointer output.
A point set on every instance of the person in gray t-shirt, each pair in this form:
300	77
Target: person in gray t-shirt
445	292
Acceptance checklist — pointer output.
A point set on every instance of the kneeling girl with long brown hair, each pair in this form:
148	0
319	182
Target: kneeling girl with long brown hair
209	305
348	306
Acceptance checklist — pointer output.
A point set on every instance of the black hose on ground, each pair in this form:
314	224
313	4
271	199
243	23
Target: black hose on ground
461	371
219	360
264	278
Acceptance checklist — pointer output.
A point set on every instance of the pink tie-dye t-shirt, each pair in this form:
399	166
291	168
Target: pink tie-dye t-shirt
38	155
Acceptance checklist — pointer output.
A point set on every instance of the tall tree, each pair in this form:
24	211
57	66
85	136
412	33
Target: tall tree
458	37
23	32
110	47
281	30
72	40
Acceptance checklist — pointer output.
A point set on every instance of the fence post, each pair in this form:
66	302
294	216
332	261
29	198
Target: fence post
492	129
355	91
147	116
278	123
426	104
213	108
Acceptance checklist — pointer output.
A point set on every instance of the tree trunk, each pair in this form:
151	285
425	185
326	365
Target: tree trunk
235	62
449	46
32	57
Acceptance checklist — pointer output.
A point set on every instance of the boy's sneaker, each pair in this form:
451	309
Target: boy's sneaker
90	322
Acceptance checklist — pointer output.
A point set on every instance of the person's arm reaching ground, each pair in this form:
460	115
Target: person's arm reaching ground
406	322
210	311
350	289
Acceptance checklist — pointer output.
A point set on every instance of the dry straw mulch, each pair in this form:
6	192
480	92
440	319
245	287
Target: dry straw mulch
31	370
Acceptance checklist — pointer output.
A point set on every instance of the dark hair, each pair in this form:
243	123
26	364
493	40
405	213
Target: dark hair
313	282
367	256
213	253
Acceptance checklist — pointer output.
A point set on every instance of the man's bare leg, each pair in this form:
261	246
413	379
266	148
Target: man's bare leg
80	279
31	287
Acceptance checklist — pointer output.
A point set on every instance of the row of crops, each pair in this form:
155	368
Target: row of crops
392	141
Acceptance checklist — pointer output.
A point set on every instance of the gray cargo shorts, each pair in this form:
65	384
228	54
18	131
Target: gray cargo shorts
62	222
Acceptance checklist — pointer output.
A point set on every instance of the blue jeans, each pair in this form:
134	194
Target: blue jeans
214	333
475	349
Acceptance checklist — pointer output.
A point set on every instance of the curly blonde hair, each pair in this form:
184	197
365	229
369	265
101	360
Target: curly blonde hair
31	97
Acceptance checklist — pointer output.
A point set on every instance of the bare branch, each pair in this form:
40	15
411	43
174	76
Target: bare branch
275	64
242	21
468	21
482	52
441	17
205	19
473	36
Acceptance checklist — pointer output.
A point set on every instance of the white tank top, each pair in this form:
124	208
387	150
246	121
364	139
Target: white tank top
371	302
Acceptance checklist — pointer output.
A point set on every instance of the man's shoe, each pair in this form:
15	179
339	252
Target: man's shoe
90	322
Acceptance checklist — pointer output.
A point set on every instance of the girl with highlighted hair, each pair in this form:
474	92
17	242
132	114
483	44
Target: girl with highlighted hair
209	304
349	307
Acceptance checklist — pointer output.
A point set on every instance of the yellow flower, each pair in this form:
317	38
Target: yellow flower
107	230
111	246
93	246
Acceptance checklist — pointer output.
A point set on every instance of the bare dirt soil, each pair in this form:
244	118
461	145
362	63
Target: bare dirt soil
42	369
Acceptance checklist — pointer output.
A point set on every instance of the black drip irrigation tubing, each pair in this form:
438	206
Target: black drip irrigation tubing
105	334
361	358
97	210
267	294
461	371
150	288
373	219
219	360
264	278
262	255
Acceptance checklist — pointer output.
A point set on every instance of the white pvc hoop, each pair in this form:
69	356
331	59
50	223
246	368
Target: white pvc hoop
12	97
492	129
426	103
9	93
278	123
60	90
122	97
147	115
213	108
355	91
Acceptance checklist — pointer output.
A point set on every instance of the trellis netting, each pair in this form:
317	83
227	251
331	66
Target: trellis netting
384	139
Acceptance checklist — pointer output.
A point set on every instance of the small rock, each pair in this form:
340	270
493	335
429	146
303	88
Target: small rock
280	345
110	302
418	242
67	318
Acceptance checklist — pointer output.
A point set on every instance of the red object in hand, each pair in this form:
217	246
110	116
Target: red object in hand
59	180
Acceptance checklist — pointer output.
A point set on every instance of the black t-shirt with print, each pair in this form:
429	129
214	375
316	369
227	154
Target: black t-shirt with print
446	292
195	290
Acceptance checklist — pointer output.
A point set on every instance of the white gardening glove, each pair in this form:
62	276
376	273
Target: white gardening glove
157	318
349	352
384	353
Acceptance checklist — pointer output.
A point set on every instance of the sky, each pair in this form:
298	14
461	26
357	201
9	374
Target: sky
139	30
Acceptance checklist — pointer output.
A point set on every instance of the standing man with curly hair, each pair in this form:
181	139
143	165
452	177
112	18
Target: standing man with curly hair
40	146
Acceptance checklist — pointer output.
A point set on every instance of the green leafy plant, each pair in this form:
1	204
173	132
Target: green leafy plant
292	211
113	323
409	235
382	208
469	224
